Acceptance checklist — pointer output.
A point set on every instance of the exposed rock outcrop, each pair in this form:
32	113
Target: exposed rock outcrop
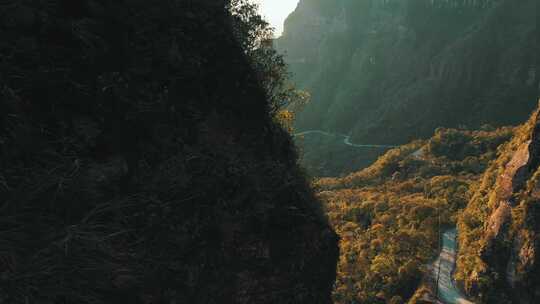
504	265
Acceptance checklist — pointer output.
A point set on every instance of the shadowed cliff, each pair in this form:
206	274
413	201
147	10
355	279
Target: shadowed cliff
139	163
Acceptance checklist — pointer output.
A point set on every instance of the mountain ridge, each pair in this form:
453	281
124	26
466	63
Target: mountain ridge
391	71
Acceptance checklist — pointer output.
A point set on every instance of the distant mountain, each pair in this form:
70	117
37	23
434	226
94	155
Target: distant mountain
391	71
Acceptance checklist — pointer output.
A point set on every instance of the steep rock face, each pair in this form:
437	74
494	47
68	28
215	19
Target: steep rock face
500	232
392	71
139	163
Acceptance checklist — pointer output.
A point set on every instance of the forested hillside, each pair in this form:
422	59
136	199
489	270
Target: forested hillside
390	215
392	71
500	229
141	161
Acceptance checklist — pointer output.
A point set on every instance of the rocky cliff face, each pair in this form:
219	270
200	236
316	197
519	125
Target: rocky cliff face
500	239
392	71
139	163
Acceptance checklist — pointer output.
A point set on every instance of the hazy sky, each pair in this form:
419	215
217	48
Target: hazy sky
275	12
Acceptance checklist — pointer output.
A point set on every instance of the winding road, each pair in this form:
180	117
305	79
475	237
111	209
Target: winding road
346	139
443	268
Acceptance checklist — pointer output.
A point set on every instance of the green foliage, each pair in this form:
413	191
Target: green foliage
256	38
459	144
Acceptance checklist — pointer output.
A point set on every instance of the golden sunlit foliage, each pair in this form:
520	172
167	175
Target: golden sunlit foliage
389	215
473	271
286	119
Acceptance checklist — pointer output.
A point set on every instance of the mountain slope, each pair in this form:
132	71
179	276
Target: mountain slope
390	214
393	71
139	163
500	231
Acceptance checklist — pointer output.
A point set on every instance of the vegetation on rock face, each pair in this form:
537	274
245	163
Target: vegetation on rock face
140	160
256	39
499	231
393	71
389	215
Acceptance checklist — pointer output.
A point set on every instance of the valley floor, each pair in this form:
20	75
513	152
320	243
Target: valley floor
346	139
